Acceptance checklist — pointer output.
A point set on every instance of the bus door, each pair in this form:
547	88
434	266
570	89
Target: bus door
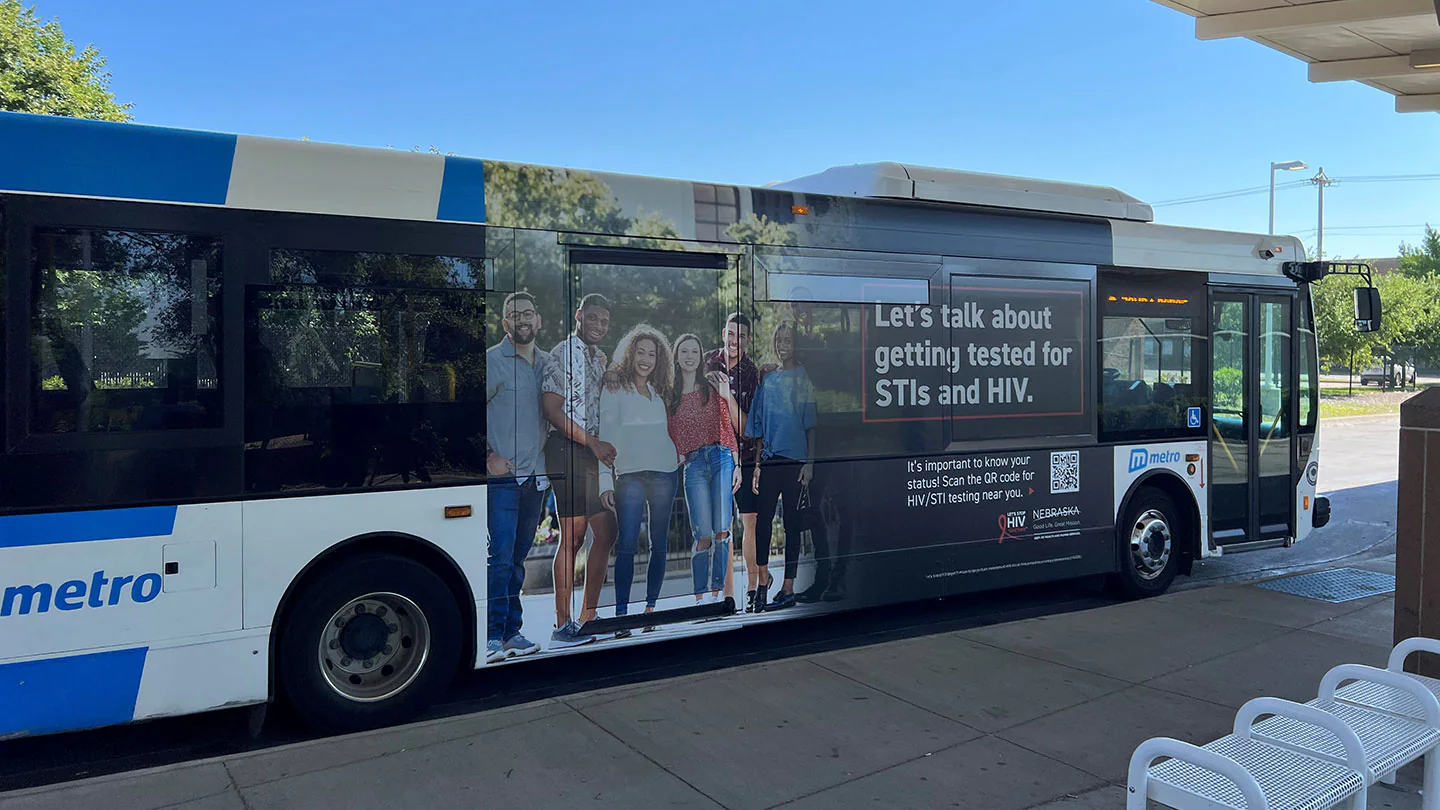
1251	420
633	306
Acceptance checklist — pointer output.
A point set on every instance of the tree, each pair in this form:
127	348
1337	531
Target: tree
42	72
1423	260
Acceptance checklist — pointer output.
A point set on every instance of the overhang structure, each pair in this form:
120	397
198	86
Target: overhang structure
1391	45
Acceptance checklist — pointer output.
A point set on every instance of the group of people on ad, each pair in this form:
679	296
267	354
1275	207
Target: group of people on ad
616	439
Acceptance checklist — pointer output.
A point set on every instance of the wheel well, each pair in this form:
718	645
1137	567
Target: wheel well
1171	485
402	545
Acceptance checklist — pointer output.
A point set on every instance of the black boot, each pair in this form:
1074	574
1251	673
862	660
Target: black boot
817	588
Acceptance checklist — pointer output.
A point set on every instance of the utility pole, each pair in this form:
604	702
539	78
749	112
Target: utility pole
1322	181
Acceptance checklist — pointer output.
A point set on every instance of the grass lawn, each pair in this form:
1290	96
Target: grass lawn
1365	402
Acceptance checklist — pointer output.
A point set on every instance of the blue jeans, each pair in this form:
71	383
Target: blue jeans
711	504
633	491
513	513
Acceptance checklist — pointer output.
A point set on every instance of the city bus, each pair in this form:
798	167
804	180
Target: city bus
264	402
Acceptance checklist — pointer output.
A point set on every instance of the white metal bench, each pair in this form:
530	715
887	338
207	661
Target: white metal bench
1389	700
1408	703
1390	740
1242	771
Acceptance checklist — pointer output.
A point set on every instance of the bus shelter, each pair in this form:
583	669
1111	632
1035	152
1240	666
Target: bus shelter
1391	45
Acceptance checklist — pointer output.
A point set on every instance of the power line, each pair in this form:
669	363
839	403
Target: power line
1388	178
1362	227
1230	195
1248	192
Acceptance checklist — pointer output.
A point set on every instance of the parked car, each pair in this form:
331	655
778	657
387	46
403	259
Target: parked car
1394	376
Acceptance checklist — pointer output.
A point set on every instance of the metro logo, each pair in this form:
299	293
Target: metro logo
1140	458
77	593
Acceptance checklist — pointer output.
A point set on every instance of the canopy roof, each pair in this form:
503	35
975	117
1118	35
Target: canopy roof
1391	45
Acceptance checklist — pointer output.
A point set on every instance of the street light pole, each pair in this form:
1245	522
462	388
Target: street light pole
1287	166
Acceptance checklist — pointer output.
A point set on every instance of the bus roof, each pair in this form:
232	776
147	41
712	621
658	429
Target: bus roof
72	157
909	182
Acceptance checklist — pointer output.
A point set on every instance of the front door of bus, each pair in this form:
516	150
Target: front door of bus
639	553
1251	420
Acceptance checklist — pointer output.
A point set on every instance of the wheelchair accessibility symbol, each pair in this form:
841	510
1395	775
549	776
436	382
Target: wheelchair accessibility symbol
1192	417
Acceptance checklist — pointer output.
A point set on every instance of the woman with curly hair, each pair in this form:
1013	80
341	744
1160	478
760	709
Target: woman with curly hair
700	427
645	473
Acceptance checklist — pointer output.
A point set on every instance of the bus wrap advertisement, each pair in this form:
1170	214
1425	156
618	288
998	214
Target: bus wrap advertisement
685	455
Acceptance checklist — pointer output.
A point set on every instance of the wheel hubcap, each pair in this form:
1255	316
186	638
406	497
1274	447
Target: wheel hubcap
374	647
1150	543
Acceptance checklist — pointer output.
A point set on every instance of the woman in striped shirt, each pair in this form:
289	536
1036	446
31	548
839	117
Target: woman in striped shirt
705	441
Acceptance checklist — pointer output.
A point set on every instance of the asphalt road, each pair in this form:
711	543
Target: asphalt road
1357	471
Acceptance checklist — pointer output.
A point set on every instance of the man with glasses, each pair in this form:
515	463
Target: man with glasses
514	375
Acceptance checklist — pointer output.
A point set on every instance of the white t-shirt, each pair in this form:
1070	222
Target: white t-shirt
638	426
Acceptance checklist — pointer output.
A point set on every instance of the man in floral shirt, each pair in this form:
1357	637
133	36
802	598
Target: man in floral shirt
571	393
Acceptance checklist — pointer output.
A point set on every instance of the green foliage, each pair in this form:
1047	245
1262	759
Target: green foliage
1229	391
1335	324
1423	260
761	230
522	196
42	72
1410	322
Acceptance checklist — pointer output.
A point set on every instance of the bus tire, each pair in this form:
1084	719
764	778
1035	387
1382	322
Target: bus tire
1151	540
372	642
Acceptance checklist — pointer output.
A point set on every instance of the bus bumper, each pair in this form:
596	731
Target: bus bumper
1321	515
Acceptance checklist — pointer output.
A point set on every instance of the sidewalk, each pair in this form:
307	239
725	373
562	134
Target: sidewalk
1042	713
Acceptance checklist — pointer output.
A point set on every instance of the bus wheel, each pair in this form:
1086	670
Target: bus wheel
1150	538
370	643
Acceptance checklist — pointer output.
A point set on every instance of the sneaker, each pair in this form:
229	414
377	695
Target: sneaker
518	645
495	651
568	636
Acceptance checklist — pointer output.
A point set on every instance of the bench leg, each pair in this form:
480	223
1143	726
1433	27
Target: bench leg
1430	785
1139	795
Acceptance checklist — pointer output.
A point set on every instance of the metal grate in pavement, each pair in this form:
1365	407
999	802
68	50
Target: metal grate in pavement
1336	585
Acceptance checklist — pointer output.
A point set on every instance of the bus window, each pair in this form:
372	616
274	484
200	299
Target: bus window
123	331
1309	391
1151	351
359	386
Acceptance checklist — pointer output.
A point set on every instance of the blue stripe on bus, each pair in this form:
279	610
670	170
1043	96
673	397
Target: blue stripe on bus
64	694
462	192
81	527
57	155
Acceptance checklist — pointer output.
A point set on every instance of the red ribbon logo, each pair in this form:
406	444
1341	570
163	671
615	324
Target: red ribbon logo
1005	528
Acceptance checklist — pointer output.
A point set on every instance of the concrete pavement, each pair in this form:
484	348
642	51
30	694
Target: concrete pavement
1359	457
1041	713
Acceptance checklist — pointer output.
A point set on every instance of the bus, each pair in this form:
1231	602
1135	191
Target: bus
286	420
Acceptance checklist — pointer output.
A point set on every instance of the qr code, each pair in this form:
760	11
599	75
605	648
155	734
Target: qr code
1065	471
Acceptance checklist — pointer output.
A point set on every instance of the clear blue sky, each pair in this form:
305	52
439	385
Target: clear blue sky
1114	92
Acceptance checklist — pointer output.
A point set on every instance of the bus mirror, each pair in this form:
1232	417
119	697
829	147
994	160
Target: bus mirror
1367	309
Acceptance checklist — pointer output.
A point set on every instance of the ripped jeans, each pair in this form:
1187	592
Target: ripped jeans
710	502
